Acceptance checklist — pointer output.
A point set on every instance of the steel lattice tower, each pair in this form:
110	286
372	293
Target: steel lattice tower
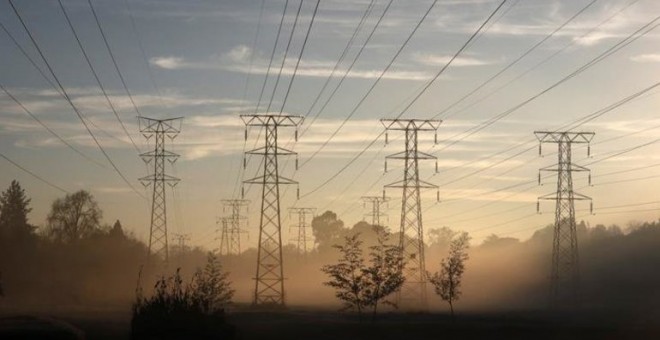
233	226
565	272
159	128
269	286
376	202
413	294
302	225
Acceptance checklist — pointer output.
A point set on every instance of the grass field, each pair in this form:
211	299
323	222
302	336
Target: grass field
322	324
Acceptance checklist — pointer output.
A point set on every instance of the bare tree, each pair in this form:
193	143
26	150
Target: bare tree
447	282
385	273
74	217
347	276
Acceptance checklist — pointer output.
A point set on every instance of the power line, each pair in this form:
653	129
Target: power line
515	61
286	53
112	57
370	144
245	90
35	118
96	76
142	51
348	70
537	65
66	95
373	86
302	50
615	48
33	174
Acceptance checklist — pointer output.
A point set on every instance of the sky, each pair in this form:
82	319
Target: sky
535	65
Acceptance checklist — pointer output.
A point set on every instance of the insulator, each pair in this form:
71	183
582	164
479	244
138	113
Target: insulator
386	165
437	194
296	135
539	178
435	138
242	192
245	137
539	149
296	162
590	178
591	208
588	150
383	193
386	138
244	162
538	207
298	193
436	167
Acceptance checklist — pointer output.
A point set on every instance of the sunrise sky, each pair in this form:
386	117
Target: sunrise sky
535	65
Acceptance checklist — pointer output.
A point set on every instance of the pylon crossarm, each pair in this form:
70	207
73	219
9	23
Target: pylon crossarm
150	125
581	197
163	153
279	151
405	124
278	120
549	197
402	184
556	137
261	180
403	155
578	168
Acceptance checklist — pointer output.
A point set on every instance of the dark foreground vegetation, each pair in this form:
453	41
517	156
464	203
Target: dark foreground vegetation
73	275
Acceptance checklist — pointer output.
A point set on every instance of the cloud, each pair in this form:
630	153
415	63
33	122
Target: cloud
646	58
168	63
238	60
435	60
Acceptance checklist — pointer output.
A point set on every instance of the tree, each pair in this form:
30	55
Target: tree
385	274
14	207
211	287
326	229
447	282
347	276
74	217
360	286
117	231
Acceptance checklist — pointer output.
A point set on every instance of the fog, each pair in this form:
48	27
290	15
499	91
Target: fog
101	268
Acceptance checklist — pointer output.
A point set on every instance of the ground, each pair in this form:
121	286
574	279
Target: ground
301	323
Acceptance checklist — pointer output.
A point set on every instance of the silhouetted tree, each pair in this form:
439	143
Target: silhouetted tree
326	229
117	231
347	276
447	282
385	273
14	207
211	287
74	217
494	241
440	237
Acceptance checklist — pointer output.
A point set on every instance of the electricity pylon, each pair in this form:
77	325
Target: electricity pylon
181	240
159	128
302	226
565	272
376	203
269	286
233	226
413	294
